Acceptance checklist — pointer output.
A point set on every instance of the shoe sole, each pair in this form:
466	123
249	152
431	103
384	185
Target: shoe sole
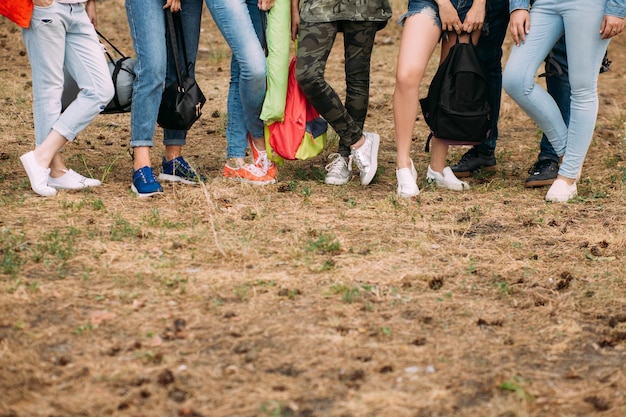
175	178
144	195
465	174
245	181
370	175
335	183
538	183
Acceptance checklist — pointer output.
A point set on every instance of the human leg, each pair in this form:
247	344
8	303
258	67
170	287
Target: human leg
62	32
489	52
413	57
544	170
174	167
584	55
147	29
240	23
519	75
315	41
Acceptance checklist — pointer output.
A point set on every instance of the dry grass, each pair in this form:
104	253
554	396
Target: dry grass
300	299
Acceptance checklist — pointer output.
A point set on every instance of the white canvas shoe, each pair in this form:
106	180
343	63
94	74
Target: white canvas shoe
37	175
447	179
561	191
407	178
72	180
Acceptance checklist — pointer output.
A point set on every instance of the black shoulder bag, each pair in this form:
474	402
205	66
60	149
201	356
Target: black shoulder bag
182	100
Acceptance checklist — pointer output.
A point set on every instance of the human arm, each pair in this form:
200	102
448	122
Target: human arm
295	18
265	5
519	25
43	3
449	17
475	16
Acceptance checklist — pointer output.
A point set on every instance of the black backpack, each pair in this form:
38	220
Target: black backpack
457	105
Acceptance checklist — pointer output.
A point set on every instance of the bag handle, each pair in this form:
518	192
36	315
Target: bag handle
111	45
174	30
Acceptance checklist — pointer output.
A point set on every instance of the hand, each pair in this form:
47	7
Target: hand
449	17
475	17
90	8
43	3
295	24
611	26
173	5
265	4
519	25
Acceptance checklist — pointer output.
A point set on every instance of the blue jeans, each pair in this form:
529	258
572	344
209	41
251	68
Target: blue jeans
557	83
489	51
239	21
580	21
147	29
62	34
191	16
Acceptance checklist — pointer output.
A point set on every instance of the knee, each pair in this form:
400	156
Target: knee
105	93
308	80
512	84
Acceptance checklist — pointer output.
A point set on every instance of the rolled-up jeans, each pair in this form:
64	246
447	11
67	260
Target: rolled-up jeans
580	21
62	34
239	21
191	16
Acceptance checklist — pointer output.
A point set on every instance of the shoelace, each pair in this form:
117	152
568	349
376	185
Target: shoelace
263	161
336	166
254	170
142	173
80	178
357	156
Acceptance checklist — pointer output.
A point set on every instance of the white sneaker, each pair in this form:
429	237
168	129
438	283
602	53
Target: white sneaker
407	178
561	191
366	157
337	172
37	175
447	179
72	180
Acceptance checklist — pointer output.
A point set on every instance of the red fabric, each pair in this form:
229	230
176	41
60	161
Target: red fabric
18	11
286	136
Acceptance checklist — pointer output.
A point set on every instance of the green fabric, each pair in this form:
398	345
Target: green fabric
278	45
311	146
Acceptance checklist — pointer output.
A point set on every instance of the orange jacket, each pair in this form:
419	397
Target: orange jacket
18	11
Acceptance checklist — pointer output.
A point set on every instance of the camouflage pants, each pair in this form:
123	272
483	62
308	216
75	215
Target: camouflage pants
315	41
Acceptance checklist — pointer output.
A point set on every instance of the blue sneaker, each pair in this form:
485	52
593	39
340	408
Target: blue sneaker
145	183
178	170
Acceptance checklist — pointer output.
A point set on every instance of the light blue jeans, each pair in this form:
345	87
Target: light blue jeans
240	24
61	34
580	21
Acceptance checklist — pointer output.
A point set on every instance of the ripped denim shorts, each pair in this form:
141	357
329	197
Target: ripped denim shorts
429	7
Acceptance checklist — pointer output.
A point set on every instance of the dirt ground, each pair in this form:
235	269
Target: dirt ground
301	299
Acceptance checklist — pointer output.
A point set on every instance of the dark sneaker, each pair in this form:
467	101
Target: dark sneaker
473	160
542	173
145	183
178	170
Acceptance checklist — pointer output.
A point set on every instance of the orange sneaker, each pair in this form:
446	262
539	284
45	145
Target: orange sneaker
248	173
261	160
